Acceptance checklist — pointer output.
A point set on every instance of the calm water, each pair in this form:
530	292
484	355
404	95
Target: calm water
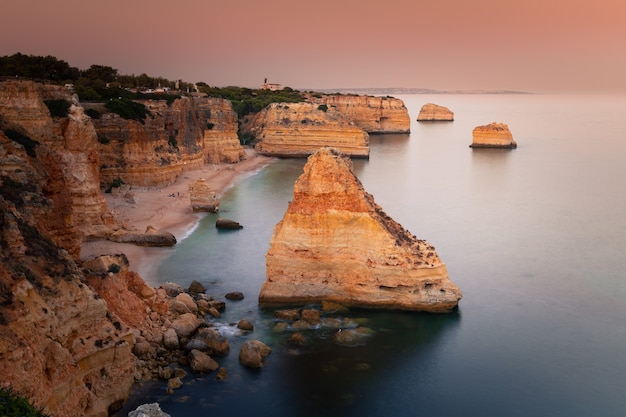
535	237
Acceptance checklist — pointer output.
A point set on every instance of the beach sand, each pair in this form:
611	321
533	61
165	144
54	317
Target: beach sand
167	209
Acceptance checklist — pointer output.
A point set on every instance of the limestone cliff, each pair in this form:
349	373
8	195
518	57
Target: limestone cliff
71	151
335	243
59	344
173	139
300	129
370	113
221	142
493	135
432	112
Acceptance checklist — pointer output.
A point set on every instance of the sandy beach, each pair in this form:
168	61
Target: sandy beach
168	209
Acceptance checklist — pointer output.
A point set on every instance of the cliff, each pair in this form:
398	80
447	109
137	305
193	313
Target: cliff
493	135
174	138
372	114
336	244
299	129
432	112
70	157
221	142
59	344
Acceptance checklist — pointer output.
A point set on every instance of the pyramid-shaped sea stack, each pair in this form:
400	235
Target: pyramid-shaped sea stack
336	244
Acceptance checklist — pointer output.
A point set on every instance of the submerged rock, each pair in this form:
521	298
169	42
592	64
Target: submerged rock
336	244
253	353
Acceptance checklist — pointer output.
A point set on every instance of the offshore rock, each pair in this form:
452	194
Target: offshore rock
372	114
202	197
300	129
227	224
432	112
253	353
336	244
493	135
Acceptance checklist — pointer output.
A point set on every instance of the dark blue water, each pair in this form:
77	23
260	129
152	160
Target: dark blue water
535	237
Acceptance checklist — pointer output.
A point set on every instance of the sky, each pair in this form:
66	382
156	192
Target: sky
522	45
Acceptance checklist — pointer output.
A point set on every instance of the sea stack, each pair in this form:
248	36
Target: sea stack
336	244
434	113
493	135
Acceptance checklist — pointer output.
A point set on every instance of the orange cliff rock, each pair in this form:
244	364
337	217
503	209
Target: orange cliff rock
372	114
493	135
336	244
174	139
432	112
69	155
300	129
59	345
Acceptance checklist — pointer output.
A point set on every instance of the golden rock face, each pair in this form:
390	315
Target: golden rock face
336	244
493	135
300	129
432	112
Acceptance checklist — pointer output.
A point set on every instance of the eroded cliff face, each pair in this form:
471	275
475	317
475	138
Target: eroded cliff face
175	138
300	129
335	243
221	142
71	152
372	114
493	135
59	344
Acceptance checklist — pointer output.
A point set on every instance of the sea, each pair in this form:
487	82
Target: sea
535	237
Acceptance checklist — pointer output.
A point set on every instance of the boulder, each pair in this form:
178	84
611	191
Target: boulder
253	353
196	287
244	324
151	237
148	410
222	223
200	362
432	112
334	243
493	135
186	324
234	296
210	341
170	339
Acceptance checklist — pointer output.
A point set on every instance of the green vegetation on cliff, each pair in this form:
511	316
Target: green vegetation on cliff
14	405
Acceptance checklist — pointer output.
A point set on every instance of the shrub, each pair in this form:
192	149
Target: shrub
58	108
13	405
28	143
128	109
210	125
172	141
115	268
322	107
93	113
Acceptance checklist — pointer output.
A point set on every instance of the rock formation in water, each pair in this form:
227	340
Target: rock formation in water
202	197
370	113
69	153
432	112
493	135
300	129
336	244
151	237
172	139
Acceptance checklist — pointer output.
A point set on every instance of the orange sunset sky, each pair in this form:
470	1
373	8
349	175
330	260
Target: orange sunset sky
530	45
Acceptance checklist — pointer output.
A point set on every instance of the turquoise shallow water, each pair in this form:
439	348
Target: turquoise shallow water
535	237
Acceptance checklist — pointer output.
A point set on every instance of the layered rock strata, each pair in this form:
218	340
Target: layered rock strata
174	138
370	113
434	113
69	152
493	135
336	244
202	197
300	129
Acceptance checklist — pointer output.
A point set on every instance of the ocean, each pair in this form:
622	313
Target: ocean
535	237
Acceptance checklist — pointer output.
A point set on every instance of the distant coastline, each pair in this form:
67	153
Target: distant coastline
403	90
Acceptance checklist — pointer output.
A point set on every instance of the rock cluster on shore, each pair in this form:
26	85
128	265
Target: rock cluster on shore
335	243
